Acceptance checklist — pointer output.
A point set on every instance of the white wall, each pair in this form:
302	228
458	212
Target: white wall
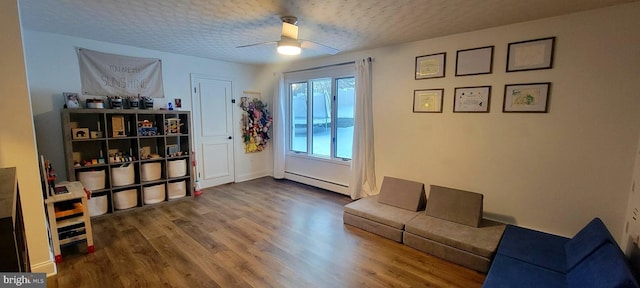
17	144
553	172
52	65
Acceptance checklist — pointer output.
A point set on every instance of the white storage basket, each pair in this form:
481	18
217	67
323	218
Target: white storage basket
92	180
121	176
177	189
125	199
151	171
177	168
98	205
153	194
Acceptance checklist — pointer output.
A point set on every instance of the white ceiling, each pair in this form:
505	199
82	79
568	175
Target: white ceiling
213	28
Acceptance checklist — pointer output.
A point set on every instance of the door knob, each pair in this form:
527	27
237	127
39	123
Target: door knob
230	137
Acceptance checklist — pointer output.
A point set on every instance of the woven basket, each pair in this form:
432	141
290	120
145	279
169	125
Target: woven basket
151	171
153	194
177	168
177	189
92	180
121	176
125	199
98	205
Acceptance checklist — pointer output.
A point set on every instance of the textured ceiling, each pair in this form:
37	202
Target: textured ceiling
213	28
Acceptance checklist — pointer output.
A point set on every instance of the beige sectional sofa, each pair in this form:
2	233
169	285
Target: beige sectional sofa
451	228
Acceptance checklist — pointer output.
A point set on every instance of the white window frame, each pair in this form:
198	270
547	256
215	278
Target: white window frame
334	72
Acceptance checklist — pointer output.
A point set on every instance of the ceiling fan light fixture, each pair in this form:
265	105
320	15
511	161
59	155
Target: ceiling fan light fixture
289	47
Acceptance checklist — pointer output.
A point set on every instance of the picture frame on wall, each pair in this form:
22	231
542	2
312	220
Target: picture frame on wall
528	98
474	61
472	99
530	55
431	66
427	100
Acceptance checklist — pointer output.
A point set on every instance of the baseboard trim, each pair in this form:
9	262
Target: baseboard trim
253	175
317	183
45	267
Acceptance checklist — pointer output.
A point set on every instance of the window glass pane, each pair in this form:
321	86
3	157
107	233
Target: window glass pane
321	116
298	92
344	122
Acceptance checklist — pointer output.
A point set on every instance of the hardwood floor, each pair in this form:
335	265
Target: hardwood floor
259	233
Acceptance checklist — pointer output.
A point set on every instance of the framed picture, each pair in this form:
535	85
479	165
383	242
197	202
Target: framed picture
472	99
178	103
430	66
71	100
427	101
79	133
530	55
531	97
474	61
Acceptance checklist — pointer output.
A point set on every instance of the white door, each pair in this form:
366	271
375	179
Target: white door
213	123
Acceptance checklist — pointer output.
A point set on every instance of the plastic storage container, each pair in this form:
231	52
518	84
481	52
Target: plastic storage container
121	176
92	180
125	199
98	205
177	168
153	194
177	189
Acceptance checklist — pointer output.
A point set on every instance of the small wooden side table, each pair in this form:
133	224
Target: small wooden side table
73	225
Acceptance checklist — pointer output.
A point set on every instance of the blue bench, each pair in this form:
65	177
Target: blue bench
529	258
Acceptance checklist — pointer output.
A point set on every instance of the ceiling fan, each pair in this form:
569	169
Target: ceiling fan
289	43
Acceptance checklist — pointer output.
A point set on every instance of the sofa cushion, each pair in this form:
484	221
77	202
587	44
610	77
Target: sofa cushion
507	272
455	205
451	254
605	267
586	241
480	241
369	208
534	247
373	227
554	252
402	193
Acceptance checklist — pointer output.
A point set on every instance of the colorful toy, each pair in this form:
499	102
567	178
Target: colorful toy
255	125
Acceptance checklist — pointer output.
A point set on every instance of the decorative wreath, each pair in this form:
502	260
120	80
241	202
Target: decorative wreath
255	124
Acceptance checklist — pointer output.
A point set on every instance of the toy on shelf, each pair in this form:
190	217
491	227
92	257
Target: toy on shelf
255	124
146	128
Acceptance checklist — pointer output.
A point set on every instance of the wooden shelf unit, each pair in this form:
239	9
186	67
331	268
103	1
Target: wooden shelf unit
79	150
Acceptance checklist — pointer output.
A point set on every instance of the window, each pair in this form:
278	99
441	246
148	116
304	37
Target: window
321	109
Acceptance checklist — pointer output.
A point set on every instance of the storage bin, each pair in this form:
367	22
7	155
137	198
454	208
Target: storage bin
98	205
177	168
92	180
177	189
153	194
151	171
125	199
121	176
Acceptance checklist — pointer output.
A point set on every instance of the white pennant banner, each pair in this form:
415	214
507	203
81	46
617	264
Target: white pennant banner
106	74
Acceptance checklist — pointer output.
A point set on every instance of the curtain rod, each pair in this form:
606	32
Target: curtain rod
327	66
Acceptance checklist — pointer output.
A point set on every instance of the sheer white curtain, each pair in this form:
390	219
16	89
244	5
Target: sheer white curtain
363	176
279	128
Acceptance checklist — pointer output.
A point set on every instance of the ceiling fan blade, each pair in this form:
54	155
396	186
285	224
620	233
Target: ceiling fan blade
321	47
257	44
